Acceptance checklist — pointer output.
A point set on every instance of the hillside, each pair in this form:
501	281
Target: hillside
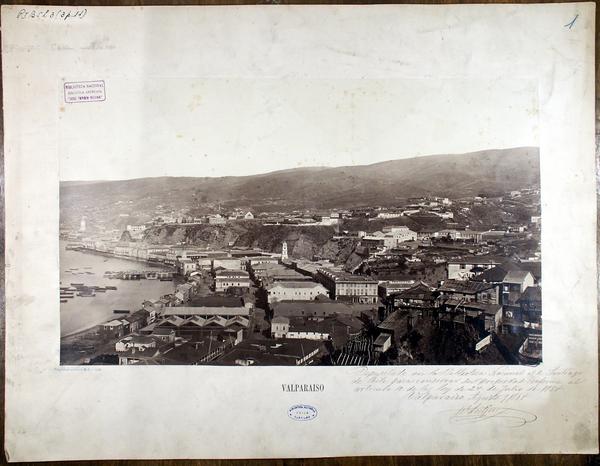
382	183
302	242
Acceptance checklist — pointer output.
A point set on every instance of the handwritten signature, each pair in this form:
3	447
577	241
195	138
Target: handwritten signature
479	413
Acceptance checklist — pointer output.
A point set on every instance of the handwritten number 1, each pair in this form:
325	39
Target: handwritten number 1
570	25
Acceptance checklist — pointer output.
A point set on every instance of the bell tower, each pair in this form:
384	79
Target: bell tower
284	251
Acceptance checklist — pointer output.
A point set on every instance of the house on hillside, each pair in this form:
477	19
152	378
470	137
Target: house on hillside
400	234
469	291
514	284
420	296
468	267
530	304
486	317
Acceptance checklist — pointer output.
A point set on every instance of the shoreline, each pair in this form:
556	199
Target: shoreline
78	333
128	258
93	326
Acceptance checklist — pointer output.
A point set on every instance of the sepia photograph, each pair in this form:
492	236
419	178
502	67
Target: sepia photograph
240	235
267	220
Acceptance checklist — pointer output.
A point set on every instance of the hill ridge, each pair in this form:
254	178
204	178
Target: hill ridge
378	184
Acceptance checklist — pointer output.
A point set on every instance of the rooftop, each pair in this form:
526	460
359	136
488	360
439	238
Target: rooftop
205	311
138	339
420	291
318	309
216	301
340	276
531	294
140	354
516	276
493	275
163	331
113	323
270	352
476	260
336	326
193	352
280	320
482	307
231	273
381	339
393	321
535	267
294	284
466	287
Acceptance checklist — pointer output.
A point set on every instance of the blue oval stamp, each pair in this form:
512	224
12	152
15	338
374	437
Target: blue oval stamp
302	412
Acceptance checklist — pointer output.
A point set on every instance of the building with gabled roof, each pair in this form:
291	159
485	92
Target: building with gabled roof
206	311
535	267
196	327
469	291
468	267
169	321
140	342
514	284
282	352
518	277
166	335
382	343
488	316
419	296
495	274
294	291
139	356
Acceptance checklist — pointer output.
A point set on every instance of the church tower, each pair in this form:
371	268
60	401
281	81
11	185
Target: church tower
284	251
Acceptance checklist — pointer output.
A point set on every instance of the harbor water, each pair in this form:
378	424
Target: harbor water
80	313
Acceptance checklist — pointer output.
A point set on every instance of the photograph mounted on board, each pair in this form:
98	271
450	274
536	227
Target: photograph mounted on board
331	222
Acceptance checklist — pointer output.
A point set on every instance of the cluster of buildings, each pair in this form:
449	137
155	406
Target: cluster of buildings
156	333
212	317
435	205
425	264
497	297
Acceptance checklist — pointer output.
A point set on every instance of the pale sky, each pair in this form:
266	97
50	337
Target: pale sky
219	127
